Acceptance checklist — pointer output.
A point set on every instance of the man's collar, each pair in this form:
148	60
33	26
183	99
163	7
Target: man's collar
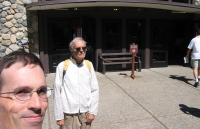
74	61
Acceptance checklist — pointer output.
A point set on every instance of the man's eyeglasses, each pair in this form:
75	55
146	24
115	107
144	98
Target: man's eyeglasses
79	48
25	93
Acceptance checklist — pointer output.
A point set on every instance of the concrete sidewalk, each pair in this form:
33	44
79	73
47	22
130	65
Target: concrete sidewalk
163	98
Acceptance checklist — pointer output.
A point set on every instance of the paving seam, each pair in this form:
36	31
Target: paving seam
121	122
175	80
100	124
138	103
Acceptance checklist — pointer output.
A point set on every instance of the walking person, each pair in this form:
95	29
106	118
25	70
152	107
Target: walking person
195	56
23	91
76	95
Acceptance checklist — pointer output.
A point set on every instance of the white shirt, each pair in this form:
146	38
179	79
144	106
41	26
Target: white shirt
195	46
80	91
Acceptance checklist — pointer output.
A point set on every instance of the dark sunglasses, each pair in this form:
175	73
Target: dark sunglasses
79	48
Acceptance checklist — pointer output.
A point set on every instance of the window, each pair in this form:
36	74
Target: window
181	1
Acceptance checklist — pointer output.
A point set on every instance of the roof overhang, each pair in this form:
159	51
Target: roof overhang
59	4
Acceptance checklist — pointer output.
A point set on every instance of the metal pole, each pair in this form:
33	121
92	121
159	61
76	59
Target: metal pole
134	51
133	65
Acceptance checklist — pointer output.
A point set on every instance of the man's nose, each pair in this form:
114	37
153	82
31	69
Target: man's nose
35	101
81	49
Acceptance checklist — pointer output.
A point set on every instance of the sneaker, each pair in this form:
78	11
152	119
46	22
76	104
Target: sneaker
196	84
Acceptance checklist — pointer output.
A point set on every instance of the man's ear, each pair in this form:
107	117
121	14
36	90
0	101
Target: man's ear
70	49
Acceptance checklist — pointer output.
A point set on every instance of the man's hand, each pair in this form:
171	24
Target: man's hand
60	122
89	118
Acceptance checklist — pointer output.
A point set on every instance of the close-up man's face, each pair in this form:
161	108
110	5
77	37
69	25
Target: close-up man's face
79	55
17	114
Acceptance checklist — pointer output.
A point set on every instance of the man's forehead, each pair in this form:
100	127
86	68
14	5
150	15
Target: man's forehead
19	65
19	71
79	42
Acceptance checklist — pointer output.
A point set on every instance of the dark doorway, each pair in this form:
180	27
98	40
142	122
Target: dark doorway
180	36
62	32
135	33
112	36
159	43
169	42
112	39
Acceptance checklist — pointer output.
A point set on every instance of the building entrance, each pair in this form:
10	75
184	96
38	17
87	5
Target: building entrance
111	35
169	40
180	36
118	34
161	42
61	32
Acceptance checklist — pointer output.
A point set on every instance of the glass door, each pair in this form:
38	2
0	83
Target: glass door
159	43
88	34
112	36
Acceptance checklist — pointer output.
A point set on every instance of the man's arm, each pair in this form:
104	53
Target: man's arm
95	95
58	110
188	52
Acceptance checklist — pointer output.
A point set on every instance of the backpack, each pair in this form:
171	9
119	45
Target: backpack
66	64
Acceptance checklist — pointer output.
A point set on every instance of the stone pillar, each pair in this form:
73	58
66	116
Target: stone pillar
32	20
13	25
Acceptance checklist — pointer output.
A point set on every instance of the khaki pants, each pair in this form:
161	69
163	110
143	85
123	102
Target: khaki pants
76	121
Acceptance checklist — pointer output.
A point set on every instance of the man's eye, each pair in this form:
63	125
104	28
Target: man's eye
42	90
22	91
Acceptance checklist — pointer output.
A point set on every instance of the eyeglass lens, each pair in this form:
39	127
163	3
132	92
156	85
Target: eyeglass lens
26	93
79	48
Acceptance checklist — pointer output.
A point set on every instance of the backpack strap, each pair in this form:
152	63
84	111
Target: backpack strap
88	64
66	65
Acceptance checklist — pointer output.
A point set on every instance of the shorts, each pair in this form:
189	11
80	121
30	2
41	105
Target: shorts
195	63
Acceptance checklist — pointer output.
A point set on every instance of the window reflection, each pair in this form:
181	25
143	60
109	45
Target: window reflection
181	1
159	35
134	29
159	56
111	34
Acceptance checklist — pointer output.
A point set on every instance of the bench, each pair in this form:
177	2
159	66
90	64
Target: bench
117	58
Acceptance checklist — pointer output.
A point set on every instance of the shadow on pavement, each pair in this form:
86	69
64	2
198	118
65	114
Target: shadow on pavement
123	74
181	78
190	110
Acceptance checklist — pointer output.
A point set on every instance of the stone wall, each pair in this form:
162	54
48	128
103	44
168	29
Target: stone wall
14	27
32	20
